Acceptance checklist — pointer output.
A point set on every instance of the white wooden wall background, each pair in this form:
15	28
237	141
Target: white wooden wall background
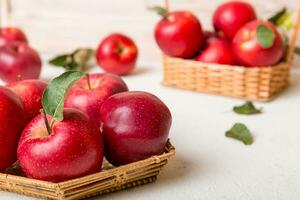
55	26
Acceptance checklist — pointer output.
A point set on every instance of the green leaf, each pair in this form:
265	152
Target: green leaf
240	132
283	19
246	109
160	10
59	60
265	36
297	50
55	93
77	60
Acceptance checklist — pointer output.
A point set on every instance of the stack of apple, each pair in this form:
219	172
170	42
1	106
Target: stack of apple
239	37
63	130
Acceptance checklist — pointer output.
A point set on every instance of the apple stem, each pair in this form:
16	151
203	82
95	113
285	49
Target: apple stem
46	121
89	81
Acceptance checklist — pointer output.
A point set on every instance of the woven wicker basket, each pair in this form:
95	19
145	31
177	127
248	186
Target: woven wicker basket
109	180
258	83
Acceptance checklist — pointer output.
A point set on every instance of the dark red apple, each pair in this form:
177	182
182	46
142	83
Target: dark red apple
74	148
249	52
18	61
11	34
117	54
135	126
231	16
30	92
12	122
89	93
216	50
179	34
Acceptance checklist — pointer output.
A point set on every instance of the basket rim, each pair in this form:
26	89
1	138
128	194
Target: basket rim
168	153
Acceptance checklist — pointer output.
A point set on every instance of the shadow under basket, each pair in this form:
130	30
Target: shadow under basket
258	83
108	180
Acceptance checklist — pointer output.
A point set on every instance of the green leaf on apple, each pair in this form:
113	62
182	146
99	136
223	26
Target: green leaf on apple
246	109
282	18
54	95
77	60
160	10
240	132
265	36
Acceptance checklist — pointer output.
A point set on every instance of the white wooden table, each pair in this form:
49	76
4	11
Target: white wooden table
207	165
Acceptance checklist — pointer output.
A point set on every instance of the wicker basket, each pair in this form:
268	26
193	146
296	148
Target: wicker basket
258	83
109	180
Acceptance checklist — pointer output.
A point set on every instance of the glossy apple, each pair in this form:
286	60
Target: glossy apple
135	126
117	54
89	93
179	34
231	16
216	50
73	149
18	61
12	122
248	52
11	34
30	92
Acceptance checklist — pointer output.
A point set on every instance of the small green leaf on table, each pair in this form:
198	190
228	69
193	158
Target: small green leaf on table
54	95
77	60
240	132
246	109
265	36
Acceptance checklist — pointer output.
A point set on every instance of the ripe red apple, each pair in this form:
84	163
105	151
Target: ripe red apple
89	93
249	52
135	126
216	50
179	34
231	16
117	54
11	34
12	122
18	61
30	92
74	148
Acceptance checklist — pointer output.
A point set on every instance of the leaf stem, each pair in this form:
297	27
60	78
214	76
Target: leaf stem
88	81
46	121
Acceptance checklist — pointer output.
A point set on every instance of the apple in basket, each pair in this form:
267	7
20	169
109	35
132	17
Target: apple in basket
231	16
178	33
11	34
30	92
12	122
258	43
60	144
117	54
18	61
135	126
216	50
89	93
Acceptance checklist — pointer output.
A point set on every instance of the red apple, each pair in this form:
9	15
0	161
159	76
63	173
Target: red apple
74	148
12	122
216	50
249	52
179	34
18	61
135	126
231	16
117	54
89	93
30	92
11	34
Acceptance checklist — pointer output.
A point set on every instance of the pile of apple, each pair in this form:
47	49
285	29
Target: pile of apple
62	130
239	37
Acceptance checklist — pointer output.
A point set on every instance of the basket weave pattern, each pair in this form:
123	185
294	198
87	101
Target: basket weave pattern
261	83
109	180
